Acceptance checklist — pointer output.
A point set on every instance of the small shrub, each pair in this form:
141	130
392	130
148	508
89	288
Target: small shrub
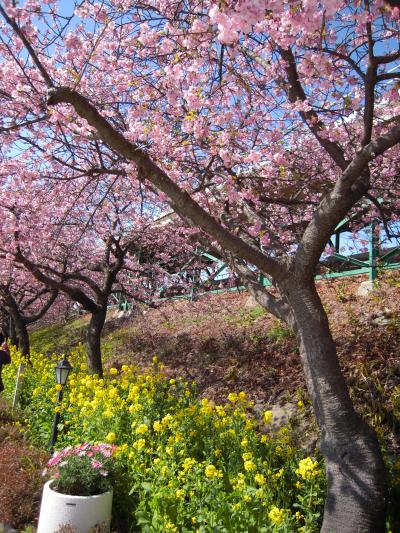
20	483
342	291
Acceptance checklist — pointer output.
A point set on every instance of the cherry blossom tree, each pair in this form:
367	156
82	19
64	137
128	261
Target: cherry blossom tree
85	242
24	302
261	123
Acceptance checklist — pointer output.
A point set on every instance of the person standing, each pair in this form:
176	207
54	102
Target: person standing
5	358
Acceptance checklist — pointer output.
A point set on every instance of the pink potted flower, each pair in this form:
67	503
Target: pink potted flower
79	492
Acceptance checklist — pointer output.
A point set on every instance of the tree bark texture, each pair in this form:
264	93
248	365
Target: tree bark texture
12	334
17	327
93	341
22	335
356	478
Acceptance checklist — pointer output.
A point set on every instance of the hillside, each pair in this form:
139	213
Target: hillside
226	342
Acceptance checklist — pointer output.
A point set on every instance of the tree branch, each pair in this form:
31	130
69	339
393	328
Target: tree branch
73	292
295	93
352	185
262	296
43	311
181	201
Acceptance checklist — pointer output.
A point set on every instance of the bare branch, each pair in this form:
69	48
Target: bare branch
296	93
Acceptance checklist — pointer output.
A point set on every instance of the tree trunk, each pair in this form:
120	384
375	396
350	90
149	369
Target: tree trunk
12	334
19	330
93	341
356	495
22	336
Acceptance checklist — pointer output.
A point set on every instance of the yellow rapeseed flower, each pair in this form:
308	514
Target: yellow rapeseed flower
260	479
111	437
249	466
142	429
157	426
267	417
308	468
232	397
139	444
276	515
249	424
211	472
180	493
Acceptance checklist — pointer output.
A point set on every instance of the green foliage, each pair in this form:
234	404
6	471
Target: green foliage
257	312
392	278
279	333
342	292
111	343
245	318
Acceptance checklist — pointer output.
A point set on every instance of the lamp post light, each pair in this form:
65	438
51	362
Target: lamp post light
62	370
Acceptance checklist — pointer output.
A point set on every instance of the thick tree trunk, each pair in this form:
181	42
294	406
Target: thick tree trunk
93	341
356	496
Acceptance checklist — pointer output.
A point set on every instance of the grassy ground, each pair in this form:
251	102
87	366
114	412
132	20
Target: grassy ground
59	337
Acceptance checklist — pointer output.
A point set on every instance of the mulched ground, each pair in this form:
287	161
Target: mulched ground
225	342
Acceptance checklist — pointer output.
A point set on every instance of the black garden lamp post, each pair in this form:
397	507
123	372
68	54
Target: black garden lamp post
62	370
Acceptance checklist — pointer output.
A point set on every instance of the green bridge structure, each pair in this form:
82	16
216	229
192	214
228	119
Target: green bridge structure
214	275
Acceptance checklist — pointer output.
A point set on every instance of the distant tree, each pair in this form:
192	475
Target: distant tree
85	244
24	305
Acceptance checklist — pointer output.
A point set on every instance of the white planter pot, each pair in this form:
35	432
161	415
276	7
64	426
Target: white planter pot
81	512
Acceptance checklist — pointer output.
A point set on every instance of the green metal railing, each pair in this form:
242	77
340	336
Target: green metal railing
370	266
